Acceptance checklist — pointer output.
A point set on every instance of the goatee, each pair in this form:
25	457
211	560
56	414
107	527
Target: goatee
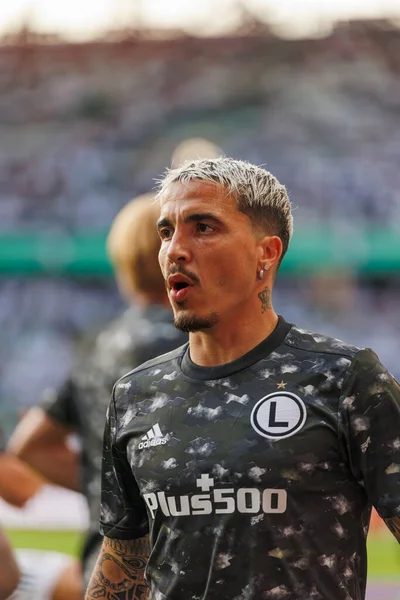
190	324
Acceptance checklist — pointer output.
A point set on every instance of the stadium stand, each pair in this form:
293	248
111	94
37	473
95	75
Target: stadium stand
85	127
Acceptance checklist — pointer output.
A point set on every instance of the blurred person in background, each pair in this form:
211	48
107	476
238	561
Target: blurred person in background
194	148
42	438
41	575
9	570
245	463
46	575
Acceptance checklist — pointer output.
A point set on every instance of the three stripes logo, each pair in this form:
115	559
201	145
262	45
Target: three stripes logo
153	437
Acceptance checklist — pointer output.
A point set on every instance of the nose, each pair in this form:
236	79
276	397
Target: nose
178	250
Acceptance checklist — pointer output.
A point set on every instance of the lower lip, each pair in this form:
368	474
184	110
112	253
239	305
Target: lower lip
179	295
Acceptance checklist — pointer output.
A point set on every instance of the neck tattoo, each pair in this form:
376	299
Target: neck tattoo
265	297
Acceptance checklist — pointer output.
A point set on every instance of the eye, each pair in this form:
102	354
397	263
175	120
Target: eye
204	228
165	233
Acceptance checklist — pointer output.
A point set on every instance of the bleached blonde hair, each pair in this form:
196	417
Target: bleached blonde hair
257	192
133	244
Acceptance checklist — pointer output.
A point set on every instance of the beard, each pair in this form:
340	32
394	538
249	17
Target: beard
192	323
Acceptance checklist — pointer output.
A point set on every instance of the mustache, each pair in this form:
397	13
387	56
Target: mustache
178	269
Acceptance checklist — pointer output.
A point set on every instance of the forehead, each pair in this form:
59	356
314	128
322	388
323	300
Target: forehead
181	197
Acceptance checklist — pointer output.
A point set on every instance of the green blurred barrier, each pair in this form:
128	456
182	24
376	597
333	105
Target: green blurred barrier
75	254
365	251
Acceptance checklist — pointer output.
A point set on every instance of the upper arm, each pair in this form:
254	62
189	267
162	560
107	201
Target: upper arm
48	424
18	482
123	513
36	431
370	414
120	570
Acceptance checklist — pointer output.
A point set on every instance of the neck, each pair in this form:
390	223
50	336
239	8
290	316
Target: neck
224	343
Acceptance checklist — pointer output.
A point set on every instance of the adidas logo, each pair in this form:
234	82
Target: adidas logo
153	437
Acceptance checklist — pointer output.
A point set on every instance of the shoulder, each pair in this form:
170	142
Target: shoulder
310	341
159	361
160	364
368	374
352	367
122	322
140	332
359	368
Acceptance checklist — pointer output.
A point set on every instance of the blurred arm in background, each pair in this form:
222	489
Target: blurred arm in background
18	482
9	571
42	442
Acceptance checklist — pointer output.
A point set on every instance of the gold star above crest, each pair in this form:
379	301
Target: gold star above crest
281	386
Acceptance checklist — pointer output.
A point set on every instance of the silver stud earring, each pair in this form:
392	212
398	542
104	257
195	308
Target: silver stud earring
261	274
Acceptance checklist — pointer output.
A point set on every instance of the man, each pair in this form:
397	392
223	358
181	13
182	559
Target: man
146	328
253	454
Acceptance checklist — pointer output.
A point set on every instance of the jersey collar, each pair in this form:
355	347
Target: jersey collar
261	351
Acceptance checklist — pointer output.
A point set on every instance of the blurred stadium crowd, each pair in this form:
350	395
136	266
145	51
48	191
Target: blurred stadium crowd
83	128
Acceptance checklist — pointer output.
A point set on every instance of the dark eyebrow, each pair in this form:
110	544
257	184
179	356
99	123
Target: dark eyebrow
163	223
196	217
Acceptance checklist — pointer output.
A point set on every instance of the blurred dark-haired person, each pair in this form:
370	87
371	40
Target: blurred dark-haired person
79	406
253	454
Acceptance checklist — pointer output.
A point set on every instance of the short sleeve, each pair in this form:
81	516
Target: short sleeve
123	512
61	404
369	415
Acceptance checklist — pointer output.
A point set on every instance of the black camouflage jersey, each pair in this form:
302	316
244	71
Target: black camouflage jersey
81	403
255	478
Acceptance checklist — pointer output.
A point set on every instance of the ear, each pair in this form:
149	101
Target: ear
271	250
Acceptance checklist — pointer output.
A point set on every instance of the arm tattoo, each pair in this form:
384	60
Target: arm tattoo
265	297
394	525
119	572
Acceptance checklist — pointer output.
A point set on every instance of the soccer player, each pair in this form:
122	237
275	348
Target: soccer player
244	464
144	330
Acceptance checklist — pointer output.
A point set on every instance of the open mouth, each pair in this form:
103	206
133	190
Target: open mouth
179	285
